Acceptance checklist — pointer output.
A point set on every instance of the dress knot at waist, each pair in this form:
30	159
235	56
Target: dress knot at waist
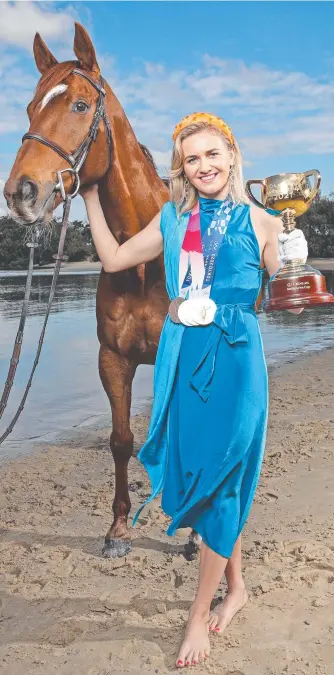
228	321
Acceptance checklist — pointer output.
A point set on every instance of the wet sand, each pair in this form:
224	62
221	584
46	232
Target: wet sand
65	609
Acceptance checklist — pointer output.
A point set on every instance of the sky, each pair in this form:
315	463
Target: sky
267	68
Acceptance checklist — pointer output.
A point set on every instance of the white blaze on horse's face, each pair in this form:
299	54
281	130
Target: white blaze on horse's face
59	89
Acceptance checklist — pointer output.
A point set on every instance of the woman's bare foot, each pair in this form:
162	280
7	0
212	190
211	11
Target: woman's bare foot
195	646
223	614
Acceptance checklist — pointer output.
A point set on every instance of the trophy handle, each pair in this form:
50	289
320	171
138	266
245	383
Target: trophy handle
250	194
317	180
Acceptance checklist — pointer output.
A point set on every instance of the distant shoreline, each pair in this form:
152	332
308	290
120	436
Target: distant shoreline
322	264
82	266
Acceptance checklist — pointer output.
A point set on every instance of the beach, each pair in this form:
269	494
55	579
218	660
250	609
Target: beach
64	608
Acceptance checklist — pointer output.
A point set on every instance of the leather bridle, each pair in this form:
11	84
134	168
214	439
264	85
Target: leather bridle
77	158
76	161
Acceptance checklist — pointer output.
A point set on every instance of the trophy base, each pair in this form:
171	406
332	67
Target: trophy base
296	286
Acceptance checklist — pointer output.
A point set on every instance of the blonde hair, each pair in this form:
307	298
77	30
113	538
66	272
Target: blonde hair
185	196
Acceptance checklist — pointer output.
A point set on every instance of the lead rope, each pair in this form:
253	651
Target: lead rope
18	341
19	335
76	161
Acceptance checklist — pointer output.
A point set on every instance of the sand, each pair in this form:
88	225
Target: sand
65	609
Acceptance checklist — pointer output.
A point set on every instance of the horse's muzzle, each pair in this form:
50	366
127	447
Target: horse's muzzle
29	201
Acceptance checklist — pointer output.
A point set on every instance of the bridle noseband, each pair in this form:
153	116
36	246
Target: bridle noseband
76	161
78	157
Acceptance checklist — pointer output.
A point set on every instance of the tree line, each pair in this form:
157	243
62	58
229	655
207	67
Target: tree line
14	252
317	225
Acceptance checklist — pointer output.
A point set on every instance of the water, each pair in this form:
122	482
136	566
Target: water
66	393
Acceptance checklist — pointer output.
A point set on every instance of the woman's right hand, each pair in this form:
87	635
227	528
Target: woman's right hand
87	191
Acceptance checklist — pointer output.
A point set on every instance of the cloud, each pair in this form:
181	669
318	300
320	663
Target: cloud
21	20
231	84
272	111
313	135
260	88
18	74
162	160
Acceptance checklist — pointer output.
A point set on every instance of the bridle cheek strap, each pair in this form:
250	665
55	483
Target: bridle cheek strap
77	159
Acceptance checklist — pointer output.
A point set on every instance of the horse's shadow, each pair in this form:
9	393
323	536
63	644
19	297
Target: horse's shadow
90	545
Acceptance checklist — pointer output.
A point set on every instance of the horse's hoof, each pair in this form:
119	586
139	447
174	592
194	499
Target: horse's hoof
116	548
191	550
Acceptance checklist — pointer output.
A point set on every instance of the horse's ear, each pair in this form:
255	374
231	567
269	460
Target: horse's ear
43	57
84	50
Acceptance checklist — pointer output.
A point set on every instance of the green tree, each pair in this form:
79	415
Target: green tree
318	227
317	224
77	245
14	253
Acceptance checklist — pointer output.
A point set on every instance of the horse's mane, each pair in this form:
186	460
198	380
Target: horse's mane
149	156
54	76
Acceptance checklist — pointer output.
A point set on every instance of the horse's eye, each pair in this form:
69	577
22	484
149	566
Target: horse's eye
80	107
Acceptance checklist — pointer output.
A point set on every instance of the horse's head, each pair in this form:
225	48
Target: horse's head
61	114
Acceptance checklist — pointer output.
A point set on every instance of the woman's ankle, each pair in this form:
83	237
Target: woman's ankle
200	608
236	587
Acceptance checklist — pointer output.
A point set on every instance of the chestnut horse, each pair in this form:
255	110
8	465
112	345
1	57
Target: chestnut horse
131	305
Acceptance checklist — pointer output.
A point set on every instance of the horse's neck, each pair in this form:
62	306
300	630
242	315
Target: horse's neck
131	192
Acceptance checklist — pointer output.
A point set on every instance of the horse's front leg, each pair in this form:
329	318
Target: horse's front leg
117	373
192	546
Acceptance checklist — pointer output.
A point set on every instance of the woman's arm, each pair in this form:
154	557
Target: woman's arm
273	227
271	249
144	246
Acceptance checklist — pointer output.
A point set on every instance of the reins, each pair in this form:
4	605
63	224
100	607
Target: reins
66	213
76	160
19	335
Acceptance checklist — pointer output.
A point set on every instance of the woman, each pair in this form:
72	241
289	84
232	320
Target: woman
208	426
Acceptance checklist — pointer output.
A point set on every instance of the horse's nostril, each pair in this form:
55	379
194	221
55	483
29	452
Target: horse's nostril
27	190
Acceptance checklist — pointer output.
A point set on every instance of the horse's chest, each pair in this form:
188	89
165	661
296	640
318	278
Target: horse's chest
132	326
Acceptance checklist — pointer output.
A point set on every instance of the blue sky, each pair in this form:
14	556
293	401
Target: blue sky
266	67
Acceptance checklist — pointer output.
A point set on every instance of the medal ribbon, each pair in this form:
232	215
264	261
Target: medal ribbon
198	254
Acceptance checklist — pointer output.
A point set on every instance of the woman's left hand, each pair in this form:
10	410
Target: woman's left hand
292	245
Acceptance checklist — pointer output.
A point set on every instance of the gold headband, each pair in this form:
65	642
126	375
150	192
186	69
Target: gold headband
209	119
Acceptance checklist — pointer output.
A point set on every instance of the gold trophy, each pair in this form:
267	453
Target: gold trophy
296	284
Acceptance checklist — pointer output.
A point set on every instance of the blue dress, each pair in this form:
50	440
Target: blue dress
207	434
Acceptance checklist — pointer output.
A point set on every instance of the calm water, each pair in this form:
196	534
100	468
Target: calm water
66	393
